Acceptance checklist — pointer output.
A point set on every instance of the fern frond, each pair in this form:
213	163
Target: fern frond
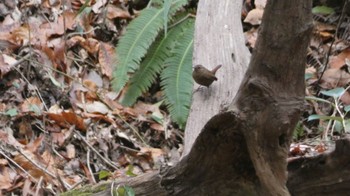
152	64
140	34
166	5
176	78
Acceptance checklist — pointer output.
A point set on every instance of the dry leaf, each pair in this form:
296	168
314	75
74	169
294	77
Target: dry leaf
5	64
339	60
116	12
254	16
5	179
157	127
67	119
97	107
106	57
333	78
32	104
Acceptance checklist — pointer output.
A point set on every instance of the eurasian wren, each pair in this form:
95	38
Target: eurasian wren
203	76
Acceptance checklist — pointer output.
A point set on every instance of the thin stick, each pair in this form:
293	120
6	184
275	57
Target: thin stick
21	60
93	149
38	186
88	165
112	188
36	164
335	36
14	162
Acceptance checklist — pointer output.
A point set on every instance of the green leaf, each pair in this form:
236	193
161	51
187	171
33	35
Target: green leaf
54	81
130	172
103	174
140	34
125	191
177	80
338	127
15	84
311	98
347	126
11	112
308	76
347	108
167	4
85	5
34	108
129	191
337	92
153	63
298	131
322	117
322	10
158	117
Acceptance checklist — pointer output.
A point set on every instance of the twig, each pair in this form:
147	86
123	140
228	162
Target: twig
55	151
127	148
104	11
41	129
325	133
83	33
93	149
88	165
64	28
77	184
38	186
21	60
181	20
133	129
14	162
63	184
112	188
39	166
335	36
51	68
36	164
37	92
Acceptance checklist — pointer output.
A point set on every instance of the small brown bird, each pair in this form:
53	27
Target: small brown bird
203	76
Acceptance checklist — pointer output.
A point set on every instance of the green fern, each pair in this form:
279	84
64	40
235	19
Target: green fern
140	34
176	78
153	63
167	4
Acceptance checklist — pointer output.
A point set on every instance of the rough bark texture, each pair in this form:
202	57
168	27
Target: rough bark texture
243	150
218	40
326	174
271	95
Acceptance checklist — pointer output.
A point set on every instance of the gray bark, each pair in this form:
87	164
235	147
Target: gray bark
218	39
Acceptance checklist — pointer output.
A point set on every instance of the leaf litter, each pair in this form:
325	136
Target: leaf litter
62	127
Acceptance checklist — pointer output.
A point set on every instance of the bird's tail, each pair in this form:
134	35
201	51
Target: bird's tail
215	69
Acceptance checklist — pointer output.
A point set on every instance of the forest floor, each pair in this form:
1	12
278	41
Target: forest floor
61	125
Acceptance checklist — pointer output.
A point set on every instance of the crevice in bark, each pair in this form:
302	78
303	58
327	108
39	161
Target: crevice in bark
219	159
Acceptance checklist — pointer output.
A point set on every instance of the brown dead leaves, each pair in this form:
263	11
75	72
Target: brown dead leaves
59	121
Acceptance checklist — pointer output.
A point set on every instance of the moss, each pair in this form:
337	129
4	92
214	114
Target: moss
87	190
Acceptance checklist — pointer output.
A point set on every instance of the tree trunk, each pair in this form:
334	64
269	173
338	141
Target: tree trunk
271	95
242	150
218	40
